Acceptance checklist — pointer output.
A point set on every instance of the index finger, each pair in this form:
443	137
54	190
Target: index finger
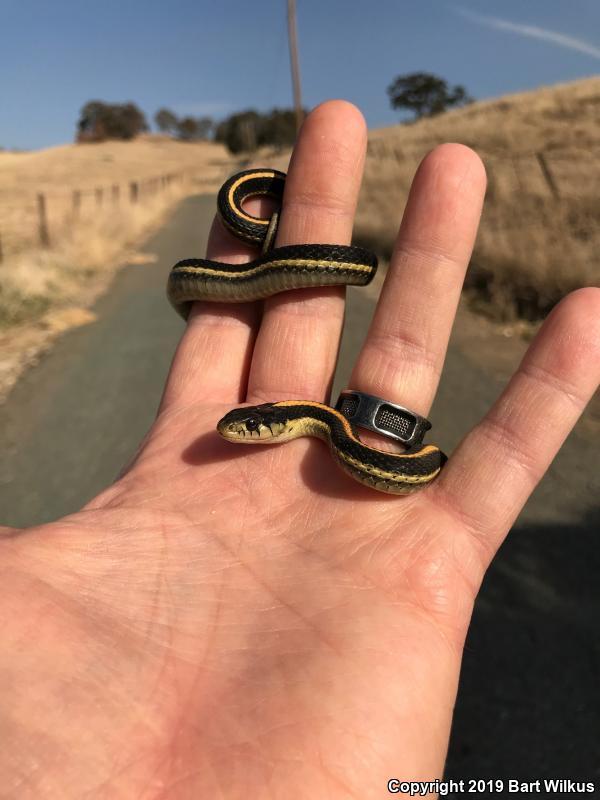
213	357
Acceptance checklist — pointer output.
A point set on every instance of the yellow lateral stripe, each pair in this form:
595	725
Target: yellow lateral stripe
428	448
309	263
394	476
235	185
383	474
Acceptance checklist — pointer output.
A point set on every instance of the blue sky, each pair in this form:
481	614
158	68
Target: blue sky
216	56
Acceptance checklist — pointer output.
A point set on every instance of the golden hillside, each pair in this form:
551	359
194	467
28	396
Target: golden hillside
539	236
94	170
85	166
558	118
94	221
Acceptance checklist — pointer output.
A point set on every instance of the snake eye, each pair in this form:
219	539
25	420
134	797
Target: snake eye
253	423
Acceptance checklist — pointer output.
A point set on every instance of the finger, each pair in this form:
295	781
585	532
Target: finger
495	469
404	351
213	357
296	348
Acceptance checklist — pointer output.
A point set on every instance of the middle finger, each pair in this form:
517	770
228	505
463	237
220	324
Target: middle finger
296	348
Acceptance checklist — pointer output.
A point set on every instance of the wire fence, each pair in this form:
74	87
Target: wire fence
545	173
42	222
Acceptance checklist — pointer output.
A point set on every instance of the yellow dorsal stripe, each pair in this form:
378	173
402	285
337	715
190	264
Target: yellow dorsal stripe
305	263
392	476
238	210
428	448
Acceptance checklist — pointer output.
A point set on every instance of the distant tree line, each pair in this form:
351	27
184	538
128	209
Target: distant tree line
244	131
241	132
189	129
247	130
99	121
422	93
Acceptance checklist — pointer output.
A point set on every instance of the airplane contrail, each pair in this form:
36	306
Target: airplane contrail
532	31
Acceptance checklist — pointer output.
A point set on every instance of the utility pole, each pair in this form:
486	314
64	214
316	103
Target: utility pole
293	38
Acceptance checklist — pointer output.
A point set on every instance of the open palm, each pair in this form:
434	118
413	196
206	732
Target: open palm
230	622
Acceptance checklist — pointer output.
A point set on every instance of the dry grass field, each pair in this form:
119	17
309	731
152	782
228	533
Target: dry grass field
93	214
540	232
539	236
95	221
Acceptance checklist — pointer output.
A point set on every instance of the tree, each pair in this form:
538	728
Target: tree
188	129
165	120
192	129
99	121
279	127
247	130
239	132
425	94
205	127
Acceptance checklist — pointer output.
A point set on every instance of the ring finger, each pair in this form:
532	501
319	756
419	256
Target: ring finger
403	354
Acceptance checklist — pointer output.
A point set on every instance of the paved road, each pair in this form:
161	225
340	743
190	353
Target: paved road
529	704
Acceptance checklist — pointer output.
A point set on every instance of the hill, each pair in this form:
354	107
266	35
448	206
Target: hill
90	169
561	118
97	200
539	235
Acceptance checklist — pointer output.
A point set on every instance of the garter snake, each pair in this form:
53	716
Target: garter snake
277	270
291	267
395	473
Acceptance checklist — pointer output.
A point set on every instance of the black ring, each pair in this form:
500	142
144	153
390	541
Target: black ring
381	416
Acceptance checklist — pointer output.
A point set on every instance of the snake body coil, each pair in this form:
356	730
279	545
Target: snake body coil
395	473
277	270
292	267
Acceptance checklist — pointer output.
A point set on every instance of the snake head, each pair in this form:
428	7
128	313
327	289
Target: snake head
250	425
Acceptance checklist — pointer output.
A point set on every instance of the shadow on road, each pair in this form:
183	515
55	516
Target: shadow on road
529	699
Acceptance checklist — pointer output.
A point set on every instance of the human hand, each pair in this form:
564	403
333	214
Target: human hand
234	622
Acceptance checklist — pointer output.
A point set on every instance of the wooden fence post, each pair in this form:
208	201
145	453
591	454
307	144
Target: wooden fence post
115	194
76	203
491	179
133	192
515	165
548	177
43	234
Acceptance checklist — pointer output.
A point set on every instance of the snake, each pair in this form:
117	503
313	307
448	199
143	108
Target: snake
279	269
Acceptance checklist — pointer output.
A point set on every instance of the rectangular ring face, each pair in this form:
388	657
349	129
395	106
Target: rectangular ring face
393	421
366	411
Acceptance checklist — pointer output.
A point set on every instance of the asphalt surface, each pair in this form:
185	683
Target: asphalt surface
529	700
